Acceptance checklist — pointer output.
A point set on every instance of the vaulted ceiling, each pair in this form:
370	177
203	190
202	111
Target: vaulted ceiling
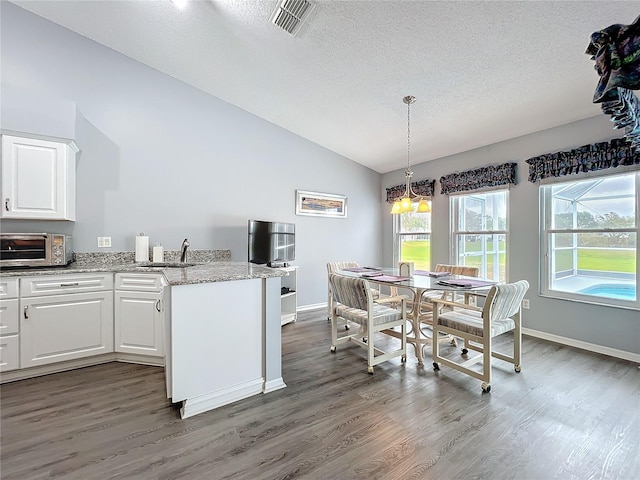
482	72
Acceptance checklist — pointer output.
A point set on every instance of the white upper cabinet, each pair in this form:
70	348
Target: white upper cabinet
38	178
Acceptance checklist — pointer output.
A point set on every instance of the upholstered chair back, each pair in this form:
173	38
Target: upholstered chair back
503	300
458	269
333	267
350	291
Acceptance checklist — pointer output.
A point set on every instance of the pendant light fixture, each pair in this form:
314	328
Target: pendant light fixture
405	204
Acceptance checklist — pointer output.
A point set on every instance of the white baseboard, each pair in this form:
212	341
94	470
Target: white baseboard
38	371
592	347
209	401
273	385
313	306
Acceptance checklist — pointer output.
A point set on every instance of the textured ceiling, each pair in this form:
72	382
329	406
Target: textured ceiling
482	72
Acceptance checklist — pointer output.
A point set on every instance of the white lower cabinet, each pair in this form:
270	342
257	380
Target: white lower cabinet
65	325
9	338
139	314
9	325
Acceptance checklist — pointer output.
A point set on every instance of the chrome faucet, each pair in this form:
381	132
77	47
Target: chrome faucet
183	255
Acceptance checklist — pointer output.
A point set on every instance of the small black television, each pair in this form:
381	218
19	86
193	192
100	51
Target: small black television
272	243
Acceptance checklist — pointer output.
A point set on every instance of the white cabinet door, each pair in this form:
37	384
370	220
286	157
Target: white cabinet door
9	353
65	327
38	178
139	323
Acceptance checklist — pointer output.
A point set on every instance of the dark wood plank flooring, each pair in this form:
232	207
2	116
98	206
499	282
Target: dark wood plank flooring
570	414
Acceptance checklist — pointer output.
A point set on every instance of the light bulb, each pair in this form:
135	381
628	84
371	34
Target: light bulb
405	205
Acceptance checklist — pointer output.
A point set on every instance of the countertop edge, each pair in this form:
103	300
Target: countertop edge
204	272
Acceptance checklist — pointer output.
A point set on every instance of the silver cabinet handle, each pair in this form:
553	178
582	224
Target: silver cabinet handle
26	308
6	204
74	284
158	305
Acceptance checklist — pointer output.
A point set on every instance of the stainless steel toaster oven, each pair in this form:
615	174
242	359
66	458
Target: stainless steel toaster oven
35	250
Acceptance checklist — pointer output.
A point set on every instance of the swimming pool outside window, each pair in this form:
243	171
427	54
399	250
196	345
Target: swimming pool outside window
590	239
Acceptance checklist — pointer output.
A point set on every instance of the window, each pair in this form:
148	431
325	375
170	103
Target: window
479	232
590	239
413	239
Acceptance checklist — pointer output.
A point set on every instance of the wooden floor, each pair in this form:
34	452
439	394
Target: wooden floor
570	414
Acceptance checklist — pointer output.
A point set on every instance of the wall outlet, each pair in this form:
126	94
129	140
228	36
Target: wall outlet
525	303
104	242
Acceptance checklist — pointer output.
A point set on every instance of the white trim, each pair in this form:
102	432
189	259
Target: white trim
272	385
312	306
209	401
39	370
592	347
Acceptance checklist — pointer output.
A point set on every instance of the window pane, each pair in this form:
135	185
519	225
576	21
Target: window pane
481	212
415	222
487	252
413	238
417	249
599	264
599	203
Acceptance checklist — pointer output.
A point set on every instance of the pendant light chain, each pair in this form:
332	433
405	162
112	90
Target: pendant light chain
409	99
404	205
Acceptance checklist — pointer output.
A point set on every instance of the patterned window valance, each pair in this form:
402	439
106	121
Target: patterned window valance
588	158
490	176
616	51
424	188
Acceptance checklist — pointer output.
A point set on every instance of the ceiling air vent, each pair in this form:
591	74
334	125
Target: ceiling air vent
290	15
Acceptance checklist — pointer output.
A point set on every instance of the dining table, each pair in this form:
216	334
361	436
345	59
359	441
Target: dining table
420	282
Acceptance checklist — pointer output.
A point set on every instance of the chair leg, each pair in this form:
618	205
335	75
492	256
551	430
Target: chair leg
517	343
486	366
334	331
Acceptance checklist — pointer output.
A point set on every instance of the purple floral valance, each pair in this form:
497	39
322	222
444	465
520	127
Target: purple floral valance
423	188
490	176
588	158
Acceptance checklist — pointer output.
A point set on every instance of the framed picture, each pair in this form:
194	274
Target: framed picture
321	204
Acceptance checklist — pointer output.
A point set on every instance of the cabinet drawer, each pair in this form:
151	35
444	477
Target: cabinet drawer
140	282
9	353
9	319
70	283
8	288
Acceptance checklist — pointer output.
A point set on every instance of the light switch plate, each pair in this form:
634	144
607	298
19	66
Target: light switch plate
525	303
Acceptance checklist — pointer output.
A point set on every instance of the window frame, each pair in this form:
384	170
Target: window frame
545	254
454	233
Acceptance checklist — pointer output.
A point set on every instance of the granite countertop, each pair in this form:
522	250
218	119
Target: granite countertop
200	270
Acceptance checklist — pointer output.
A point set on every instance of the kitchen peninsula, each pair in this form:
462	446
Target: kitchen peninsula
222	318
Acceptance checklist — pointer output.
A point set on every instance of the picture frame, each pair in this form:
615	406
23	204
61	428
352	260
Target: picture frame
321	204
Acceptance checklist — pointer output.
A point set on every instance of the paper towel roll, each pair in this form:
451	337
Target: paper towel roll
158	254
142	248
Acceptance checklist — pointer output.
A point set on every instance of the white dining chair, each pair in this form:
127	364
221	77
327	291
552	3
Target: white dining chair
500	314
353	301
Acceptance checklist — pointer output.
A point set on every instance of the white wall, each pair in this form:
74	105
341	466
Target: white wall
609	327
163	158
